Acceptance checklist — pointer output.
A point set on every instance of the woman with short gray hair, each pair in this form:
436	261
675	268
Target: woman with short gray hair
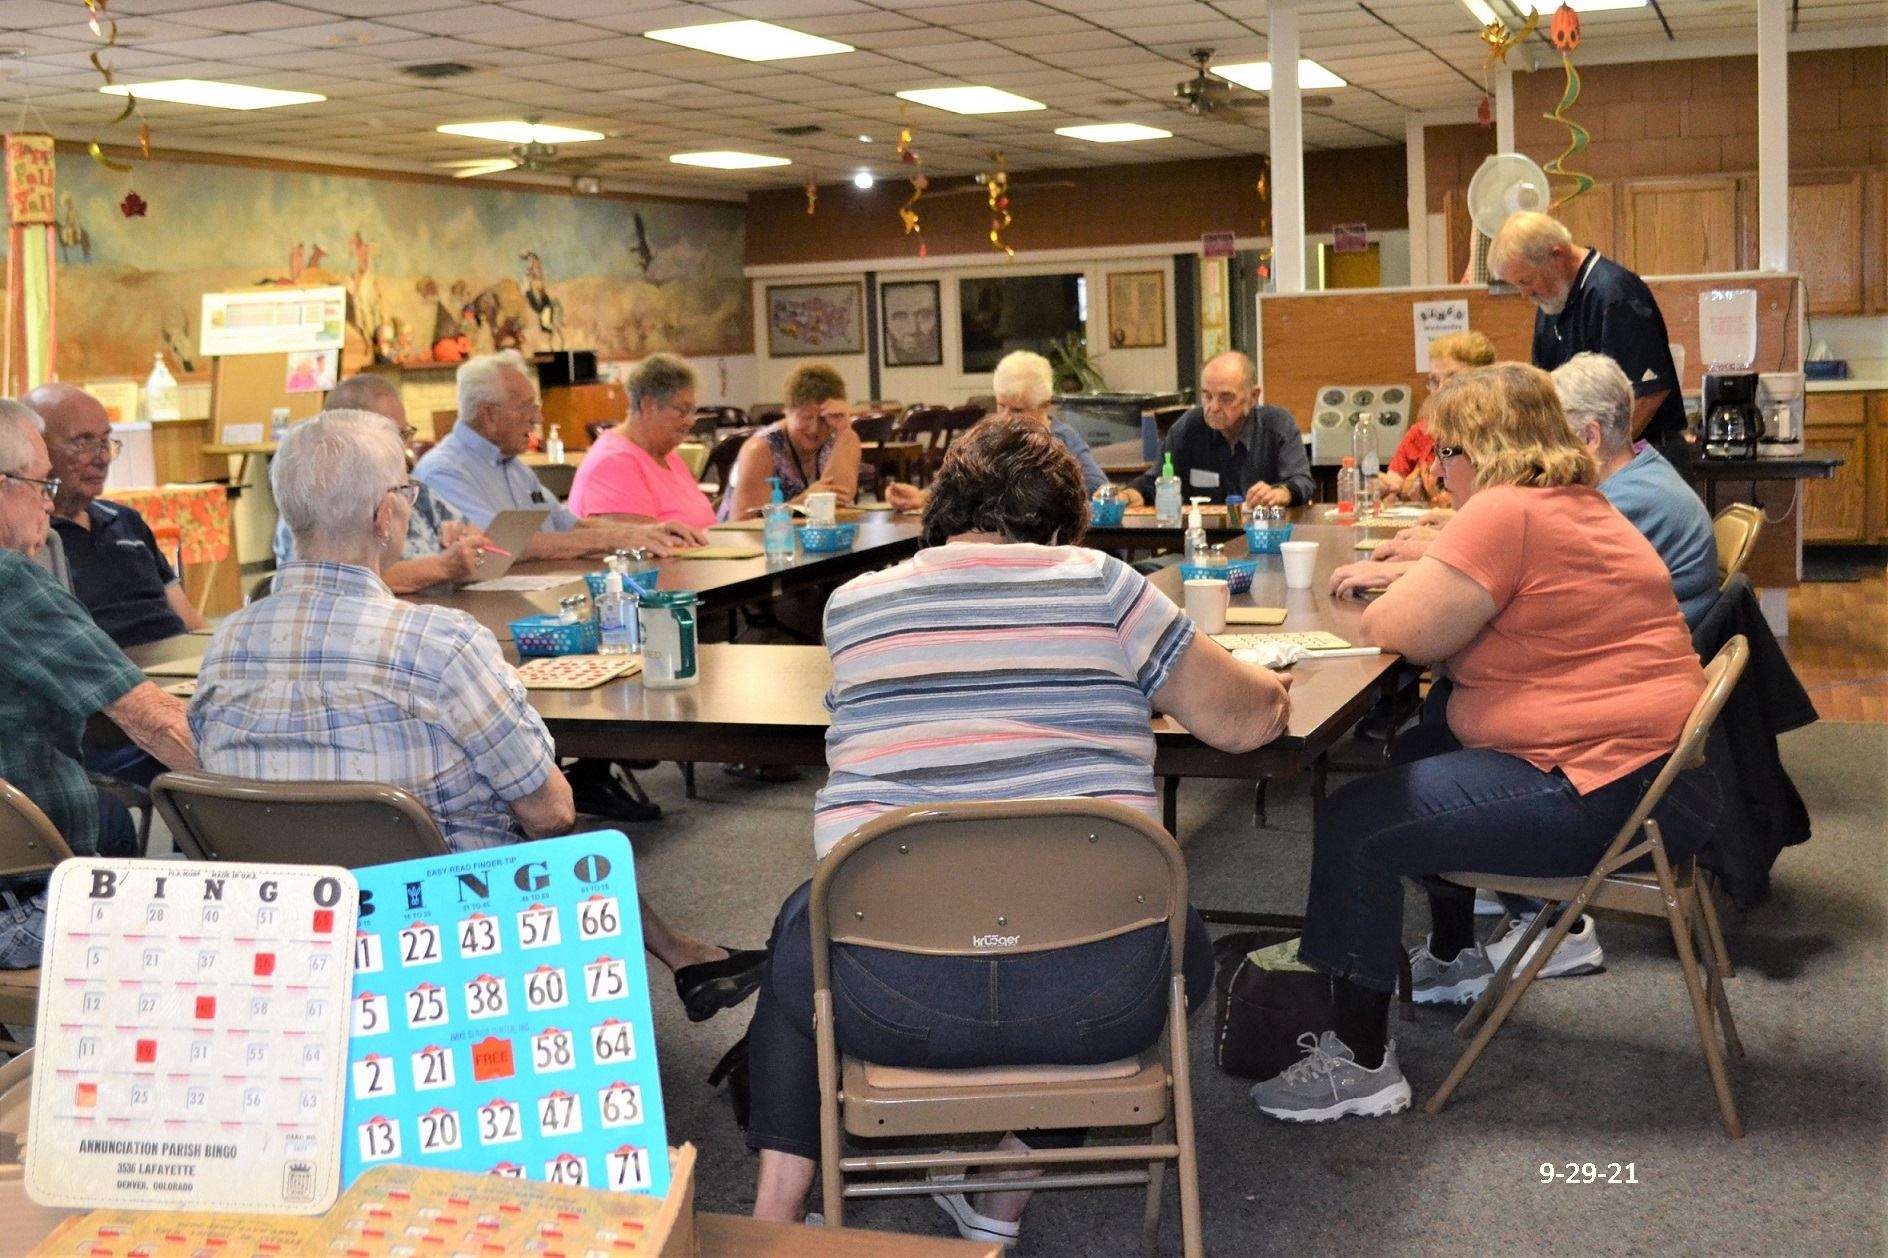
633	469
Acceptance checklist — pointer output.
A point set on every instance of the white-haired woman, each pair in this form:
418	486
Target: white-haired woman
333	679
1024	385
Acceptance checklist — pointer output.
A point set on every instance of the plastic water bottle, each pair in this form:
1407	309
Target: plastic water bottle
776	537
160	392
614	613
1369	470
1196	535
1167	494
1347	488
554	446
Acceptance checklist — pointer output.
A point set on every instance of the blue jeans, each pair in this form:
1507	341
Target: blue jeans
23	903
1444	807
1074	1006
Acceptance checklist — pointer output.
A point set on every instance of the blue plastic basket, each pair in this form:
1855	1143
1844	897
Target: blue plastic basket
1237	573
1265	539
1107	514
643	581
547	635
820	539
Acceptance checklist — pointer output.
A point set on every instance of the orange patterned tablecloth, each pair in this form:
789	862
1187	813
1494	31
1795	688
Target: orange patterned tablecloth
199	513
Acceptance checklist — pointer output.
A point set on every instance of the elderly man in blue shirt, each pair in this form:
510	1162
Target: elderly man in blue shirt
1230	444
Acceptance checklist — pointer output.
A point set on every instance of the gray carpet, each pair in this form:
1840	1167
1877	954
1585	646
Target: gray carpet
1601	1069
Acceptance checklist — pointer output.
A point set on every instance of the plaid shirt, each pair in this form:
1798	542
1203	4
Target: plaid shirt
429	514
332	679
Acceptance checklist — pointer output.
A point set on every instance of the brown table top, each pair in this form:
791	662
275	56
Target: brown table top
1121	458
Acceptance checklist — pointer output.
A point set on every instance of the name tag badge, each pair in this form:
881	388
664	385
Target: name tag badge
1203	479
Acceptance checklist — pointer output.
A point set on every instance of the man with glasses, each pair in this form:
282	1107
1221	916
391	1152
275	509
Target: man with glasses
1230	444
56	670
117	568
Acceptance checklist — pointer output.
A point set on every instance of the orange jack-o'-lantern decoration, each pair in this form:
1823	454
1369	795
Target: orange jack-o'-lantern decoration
1565	29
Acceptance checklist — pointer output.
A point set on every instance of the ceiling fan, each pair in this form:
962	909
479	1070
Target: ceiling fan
1205	95
533	156
977	187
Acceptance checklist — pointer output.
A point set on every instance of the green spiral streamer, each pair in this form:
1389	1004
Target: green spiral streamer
1579	136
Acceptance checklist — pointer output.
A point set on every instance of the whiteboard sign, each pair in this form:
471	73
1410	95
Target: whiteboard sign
1435	320
273	321
1727	327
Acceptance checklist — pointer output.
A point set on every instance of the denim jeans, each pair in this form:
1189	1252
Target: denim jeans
23	899
128	763
1444	807
1073	1006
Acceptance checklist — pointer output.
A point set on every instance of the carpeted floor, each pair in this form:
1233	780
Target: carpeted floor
1602	1069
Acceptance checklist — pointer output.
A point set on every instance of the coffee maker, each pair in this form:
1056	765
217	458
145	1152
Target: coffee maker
1732	423
1780	400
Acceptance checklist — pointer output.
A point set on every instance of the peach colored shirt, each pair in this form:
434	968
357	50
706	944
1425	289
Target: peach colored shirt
1586	665
619	477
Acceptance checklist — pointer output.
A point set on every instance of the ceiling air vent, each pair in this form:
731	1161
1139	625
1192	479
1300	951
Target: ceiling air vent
805	128
437	70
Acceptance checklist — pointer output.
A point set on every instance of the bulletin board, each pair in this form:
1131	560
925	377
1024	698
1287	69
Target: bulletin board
245	389
1309	340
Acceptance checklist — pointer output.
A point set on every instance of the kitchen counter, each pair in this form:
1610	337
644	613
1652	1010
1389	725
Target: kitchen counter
1866	375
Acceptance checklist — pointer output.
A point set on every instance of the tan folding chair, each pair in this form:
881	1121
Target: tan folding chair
1736	529
1669	892
29	844
351	824
1049	874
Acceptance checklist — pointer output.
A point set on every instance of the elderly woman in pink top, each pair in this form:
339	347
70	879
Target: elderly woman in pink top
633	469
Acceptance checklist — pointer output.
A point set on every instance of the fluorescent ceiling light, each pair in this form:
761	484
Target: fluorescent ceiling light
1600	6
1113	132
517	131
750	41
215	95
1257	75
1479	10
971	100
727	159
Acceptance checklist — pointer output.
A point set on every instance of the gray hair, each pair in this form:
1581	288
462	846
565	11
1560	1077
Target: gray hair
481	380
367	392
658	377
331	472
1248	370
16	418
1025	376
1593	388
1527	236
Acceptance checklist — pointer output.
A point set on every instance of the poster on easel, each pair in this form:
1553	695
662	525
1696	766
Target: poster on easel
273	321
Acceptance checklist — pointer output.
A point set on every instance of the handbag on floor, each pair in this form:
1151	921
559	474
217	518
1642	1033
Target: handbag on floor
1267	999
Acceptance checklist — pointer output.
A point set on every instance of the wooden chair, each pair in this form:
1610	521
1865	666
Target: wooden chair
720	466
1670	892
351	824
29	844
1166	417
1055	873
1736	528
873	425
928	426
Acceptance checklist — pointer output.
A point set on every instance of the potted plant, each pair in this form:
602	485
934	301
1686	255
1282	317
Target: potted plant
1075	368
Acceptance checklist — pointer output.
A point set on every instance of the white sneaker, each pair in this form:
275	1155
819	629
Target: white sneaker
1487	905
1578	953
971	1225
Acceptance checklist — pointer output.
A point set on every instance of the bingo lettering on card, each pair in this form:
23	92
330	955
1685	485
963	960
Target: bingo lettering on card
501	1018
192	1036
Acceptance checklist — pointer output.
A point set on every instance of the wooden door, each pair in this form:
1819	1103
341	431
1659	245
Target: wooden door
1363	269
1875	245
1590	218
1876	522
1826	240
1680	226
1836	510
1459	230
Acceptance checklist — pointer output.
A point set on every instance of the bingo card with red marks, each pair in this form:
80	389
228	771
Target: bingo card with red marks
501	1018
192	1036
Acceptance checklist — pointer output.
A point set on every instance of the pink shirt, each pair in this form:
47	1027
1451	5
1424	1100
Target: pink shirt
619	477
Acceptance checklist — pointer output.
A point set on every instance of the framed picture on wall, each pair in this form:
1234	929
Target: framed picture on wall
1137	309
909	311
804	320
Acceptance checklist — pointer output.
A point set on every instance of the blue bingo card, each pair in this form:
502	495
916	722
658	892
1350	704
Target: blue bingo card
501	1018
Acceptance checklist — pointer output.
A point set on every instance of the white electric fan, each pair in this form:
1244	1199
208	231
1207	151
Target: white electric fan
1503	185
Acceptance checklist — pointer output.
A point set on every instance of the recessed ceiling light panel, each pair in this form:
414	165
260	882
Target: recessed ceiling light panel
212	94
971	100
727	159
1257	75
750	41
518	131
1113	132
1601	6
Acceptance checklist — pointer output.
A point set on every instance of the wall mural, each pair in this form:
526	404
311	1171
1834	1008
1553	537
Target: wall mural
466	269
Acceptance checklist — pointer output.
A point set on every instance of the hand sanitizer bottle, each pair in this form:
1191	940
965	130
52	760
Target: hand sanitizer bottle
614	617
776	538
160	391
1196	534
1167	494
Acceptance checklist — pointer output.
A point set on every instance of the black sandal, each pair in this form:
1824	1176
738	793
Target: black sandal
708	988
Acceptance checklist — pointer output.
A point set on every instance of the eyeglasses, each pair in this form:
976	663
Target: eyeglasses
1019	412
407	433
1448	452
408	490
48	487
94	445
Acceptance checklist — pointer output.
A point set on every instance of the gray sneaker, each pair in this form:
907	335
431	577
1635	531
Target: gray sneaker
1328	1083
1457	982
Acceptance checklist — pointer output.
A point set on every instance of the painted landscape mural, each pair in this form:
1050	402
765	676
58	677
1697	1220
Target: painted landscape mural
423	264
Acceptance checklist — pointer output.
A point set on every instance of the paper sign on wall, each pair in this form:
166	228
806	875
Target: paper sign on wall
1727	327
273	320
1434	320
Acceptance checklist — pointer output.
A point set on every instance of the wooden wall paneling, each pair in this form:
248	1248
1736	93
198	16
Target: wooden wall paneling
1836	510
1875	255
1681	226
1459	231
1826	240
1875	520
1590	217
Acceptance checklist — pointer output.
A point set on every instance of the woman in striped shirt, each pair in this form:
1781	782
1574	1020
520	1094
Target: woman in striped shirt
1003	662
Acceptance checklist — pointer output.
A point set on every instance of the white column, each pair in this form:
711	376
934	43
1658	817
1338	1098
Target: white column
1773	135
1416	206
1288	149
1504	110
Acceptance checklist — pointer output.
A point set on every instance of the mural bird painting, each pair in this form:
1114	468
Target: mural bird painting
641	249
549	310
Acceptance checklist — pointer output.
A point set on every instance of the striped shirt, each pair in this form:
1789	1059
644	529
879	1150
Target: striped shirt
333	679
993	671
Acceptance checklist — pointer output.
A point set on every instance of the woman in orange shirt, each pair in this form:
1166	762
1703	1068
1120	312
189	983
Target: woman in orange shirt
1572	676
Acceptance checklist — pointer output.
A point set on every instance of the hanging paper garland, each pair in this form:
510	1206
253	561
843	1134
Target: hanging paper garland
812	197
919	182
1499	39
996	186
1565	32
105	28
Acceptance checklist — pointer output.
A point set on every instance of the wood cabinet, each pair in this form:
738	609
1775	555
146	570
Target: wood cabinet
1837	510
1680	226
1590	218
1826	240
1875	515
1875	246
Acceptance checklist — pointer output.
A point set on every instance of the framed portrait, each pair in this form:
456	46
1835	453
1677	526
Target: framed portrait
804	320
1137	309
909	311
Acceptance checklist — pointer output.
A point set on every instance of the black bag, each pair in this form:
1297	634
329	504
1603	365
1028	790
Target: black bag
1262	1012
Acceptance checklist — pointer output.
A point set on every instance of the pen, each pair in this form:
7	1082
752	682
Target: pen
489	549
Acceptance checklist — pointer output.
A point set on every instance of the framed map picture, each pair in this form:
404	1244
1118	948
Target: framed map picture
1137	309
909	310
815	319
